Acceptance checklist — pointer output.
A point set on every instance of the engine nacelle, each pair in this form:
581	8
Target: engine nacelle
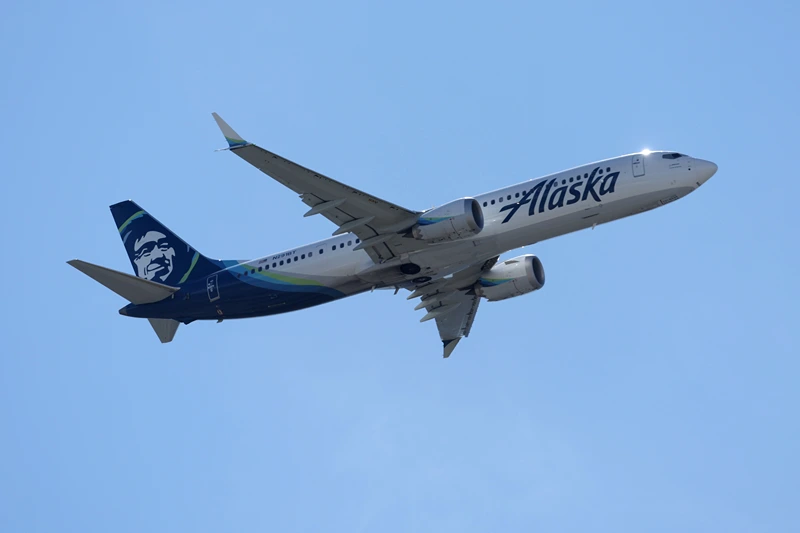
514	277
453	221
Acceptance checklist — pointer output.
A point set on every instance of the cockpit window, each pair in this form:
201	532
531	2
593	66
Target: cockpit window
674	155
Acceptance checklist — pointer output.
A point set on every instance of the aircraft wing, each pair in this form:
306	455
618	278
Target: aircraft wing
453	303
375	222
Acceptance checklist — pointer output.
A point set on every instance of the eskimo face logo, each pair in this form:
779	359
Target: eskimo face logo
153	256
544	197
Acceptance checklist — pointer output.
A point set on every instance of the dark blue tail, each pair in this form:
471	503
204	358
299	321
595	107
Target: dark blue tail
155	252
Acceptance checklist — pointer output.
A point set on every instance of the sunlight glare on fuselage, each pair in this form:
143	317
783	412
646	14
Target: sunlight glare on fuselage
646	151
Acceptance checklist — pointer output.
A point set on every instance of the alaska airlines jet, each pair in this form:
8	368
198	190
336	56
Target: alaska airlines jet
448	257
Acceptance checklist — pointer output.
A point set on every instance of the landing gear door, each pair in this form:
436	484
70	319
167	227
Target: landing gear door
212	287
638	165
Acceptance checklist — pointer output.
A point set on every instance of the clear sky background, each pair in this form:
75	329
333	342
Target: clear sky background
652	385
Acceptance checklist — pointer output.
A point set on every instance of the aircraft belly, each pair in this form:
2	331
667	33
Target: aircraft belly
640	203
548	228
244	300
435	261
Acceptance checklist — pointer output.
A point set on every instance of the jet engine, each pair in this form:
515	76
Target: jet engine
511	278
453	221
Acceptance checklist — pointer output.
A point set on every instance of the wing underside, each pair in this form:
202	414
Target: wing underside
453	303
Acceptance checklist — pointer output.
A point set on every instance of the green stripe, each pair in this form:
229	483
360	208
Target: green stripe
288	279
133	216
283	278
274	276
194	262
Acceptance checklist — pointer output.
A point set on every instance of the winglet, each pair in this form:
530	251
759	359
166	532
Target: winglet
449	346
233	138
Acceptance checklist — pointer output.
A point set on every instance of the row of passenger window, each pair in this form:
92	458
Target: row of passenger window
563	182
297	258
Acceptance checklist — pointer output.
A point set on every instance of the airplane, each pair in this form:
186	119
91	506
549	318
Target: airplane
448	256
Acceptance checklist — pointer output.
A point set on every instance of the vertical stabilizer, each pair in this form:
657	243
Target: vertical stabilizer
156	253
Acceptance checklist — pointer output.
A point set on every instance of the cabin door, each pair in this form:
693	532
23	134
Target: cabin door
638	165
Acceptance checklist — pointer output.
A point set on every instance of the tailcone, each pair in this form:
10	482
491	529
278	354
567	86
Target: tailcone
139	311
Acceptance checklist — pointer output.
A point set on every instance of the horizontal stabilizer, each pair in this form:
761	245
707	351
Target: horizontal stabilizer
135	290
165	328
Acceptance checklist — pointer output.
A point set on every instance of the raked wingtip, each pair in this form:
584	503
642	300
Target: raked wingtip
234	139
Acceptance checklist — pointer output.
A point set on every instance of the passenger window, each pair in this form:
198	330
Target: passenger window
274	265
310	254
245	272
259	269
501	200
321	250
341	245
485	204
492	202
349	243
333	248
266	267
253	271
281	263
516	195
303	256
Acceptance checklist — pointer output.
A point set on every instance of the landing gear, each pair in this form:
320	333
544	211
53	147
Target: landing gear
409	269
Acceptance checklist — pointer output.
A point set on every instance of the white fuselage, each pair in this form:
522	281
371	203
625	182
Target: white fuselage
515	216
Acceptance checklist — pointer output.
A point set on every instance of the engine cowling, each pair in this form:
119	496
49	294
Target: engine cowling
453	221
511	278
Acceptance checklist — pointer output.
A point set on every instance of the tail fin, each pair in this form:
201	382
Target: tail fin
155	252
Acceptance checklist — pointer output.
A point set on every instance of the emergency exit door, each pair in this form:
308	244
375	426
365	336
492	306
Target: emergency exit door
212	288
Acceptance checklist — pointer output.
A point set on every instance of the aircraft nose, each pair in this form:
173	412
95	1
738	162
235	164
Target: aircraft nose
704	169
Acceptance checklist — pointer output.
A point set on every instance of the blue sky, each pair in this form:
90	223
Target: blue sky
651	385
